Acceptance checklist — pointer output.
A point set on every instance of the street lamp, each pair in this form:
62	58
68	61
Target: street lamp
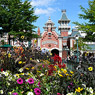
77	37
67	49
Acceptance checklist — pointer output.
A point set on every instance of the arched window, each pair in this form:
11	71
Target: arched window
49	35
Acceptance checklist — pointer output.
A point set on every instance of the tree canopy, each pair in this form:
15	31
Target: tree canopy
17	18
89	26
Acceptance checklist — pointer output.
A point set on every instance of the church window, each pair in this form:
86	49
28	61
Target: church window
49	35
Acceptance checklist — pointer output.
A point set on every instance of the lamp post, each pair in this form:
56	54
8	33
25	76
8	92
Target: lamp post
67	49
77	48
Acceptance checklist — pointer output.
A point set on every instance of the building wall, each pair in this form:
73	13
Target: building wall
49	42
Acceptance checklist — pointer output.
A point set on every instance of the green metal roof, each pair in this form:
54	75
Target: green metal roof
74	33
64	17
6	45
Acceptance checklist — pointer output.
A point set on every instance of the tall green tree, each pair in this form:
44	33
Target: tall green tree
17	18
89	26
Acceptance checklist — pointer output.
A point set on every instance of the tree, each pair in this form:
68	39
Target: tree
81	45
89	26
16	18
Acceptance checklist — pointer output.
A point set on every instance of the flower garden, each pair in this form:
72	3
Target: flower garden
31	72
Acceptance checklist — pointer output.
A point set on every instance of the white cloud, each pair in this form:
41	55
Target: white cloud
47	11
41	2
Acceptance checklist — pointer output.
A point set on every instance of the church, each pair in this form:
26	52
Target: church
62	43
51	40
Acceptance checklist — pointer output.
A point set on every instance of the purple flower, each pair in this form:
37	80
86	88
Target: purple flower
42	65
31	81
71	84
20	81
15	93
37	91
58	94
39	84
69	87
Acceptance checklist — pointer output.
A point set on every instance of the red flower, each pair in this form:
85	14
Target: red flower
2	70
59	65
51	69
63	65
57	58
58	94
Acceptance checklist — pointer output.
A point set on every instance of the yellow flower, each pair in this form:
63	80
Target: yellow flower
35	41
55	67
50	53
64	71
67	74
79	89
30	58
9	55
17	75
29	74
22	37
27	68
71	72
38	71
24	62
5	53
21	73
32	68
60	75
90	68
20	62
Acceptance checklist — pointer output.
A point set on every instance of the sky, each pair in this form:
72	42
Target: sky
52	8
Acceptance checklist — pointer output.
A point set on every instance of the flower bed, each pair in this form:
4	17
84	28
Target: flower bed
24	73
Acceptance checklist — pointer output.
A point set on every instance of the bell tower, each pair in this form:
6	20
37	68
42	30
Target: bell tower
64	21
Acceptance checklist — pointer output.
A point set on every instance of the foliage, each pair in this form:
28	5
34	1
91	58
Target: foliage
82	46
86	74
17	18
31	72
88	27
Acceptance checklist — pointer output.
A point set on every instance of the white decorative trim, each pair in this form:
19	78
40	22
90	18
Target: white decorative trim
60	54
89	42
49	41
39	40
60	43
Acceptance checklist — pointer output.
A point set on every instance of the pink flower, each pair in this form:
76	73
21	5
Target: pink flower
15	93
37	91
58	94
31	81
20	81
39	84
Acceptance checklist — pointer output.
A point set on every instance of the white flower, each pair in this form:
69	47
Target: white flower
91	90
1	92
0	75
14	76
8	83
41	74
10	93
20	70
38	60
30	93
84	85
10	78
70	93
5	73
